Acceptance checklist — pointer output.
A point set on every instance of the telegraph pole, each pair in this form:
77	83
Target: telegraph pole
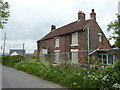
23	49
4	45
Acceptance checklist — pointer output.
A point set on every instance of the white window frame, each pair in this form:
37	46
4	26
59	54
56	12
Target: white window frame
57	41
107	62
100	37
74	39
74	51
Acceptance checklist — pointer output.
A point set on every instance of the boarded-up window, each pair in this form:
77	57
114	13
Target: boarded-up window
56	42
74	40
74	55
57	57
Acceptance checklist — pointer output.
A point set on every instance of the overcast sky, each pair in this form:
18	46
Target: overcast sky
31	19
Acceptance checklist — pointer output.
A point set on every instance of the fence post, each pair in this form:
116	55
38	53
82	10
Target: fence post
68	56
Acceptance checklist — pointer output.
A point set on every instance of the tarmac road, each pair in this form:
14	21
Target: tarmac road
12	78
0	76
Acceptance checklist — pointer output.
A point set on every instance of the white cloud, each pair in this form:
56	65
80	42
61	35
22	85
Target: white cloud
31	19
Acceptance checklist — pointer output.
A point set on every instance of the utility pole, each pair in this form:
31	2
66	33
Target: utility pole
9	50
4	45
23	49
1	50
88	37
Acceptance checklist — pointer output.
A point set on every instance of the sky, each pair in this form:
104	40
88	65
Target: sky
30	20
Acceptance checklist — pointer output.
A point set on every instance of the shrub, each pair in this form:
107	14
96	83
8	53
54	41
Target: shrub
11	60
66	76
117	64
107	77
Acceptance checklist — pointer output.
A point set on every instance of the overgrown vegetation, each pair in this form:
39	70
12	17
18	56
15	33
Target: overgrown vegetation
11	60
62	74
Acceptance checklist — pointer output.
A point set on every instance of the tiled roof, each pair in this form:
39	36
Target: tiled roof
18	51
69	28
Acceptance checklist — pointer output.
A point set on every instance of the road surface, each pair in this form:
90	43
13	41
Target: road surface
12	78
0	76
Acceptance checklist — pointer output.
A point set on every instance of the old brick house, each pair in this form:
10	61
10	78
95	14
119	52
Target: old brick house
78	41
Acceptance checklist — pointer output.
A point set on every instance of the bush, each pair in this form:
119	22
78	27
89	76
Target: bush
108	77
66	76
11	60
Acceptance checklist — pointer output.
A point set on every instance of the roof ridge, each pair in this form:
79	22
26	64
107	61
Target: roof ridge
68	28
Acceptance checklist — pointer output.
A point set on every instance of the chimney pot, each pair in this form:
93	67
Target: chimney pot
92	10
53	27
93	15
81	16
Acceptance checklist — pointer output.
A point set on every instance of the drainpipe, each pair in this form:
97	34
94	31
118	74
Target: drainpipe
88	37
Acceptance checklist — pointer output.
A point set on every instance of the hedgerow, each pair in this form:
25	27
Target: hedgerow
11	60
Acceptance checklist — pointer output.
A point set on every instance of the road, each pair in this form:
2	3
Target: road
12	78
0	76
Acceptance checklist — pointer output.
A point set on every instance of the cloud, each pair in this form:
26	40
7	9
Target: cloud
31	19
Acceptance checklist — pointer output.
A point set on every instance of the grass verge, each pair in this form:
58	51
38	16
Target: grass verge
103	78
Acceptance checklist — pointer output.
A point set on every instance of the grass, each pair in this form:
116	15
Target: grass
103	78
73	78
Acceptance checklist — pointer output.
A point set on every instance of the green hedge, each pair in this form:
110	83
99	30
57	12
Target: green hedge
11	60
108	77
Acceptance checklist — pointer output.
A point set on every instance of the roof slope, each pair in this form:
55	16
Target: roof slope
14	53
69	28
18	51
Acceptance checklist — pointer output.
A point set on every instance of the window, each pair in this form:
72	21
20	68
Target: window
57	57
110	59
45	51
74	39
100	37
107	58
74	55
56	42
104	57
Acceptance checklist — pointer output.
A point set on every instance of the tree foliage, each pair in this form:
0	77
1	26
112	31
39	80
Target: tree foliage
115	26
4	13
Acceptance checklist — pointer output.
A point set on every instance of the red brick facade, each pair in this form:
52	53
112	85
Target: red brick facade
64	34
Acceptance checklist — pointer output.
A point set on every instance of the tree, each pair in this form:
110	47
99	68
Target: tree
4	13
115	27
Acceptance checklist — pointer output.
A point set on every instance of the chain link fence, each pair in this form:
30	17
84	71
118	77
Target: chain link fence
105	56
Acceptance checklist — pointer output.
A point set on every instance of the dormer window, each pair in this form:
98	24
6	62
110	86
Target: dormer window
74	39
56	42
100	37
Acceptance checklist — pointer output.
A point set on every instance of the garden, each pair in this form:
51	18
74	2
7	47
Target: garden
67	76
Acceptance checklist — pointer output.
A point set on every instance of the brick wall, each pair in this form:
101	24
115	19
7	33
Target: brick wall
65	42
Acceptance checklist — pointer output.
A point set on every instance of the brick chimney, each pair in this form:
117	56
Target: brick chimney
53	27
93	15
81	16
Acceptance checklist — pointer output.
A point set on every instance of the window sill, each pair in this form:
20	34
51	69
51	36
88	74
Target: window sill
74	45
56	46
